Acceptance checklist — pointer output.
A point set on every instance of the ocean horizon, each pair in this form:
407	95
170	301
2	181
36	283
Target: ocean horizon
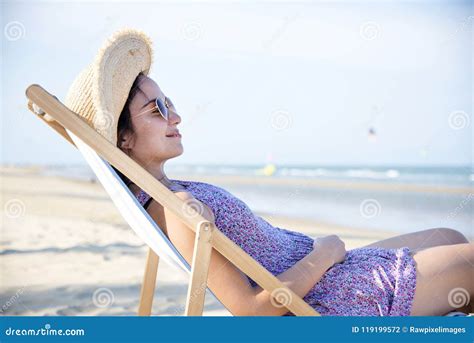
426	175
445	200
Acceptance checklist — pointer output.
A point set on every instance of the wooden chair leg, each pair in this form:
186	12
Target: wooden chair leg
149	282
199	270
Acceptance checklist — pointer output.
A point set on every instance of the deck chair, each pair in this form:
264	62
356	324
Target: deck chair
101	155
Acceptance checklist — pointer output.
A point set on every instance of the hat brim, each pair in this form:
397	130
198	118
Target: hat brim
116	66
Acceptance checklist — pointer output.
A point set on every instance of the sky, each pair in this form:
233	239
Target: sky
258	82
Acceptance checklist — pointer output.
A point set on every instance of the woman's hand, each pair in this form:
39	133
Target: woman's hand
331	248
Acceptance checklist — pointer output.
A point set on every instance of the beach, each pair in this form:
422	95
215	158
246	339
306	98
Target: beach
66	250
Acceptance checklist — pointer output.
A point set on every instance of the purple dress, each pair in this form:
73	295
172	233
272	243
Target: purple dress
369	282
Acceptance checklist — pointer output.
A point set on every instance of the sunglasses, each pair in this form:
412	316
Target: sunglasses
162	107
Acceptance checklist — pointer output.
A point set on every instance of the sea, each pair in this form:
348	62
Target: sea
401	199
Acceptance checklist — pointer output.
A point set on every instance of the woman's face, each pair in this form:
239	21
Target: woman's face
152	141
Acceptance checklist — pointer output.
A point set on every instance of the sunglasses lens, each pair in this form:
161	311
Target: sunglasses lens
163	109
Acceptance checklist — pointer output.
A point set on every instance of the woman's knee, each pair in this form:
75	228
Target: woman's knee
452	236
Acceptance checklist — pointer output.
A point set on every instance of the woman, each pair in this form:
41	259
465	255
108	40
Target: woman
422	273
144	134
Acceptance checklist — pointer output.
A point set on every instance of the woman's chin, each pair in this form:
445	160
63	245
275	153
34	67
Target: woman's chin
179	151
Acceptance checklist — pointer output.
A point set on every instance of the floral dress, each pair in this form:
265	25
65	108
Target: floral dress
369	282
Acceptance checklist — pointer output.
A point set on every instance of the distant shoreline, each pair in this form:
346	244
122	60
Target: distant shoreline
395	186
328	183
296	183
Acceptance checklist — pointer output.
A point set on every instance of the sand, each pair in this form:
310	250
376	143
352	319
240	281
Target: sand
66	250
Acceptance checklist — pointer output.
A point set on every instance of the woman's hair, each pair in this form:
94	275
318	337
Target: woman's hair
125	122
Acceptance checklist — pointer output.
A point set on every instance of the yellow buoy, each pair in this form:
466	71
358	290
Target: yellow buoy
269	169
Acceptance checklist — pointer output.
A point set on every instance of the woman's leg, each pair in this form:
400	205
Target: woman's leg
422	239
445	279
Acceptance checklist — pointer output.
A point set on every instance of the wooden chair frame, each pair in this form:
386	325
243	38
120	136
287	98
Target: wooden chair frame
60	118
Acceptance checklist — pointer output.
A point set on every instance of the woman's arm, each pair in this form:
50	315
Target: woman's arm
302	276
229	284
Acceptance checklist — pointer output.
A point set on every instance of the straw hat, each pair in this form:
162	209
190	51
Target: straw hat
99	92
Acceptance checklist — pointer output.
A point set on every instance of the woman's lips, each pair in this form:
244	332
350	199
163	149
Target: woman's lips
176	135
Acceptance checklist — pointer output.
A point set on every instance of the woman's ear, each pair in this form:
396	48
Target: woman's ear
126	140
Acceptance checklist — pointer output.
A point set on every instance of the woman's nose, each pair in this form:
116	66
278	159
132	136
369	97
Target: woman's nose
174	117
